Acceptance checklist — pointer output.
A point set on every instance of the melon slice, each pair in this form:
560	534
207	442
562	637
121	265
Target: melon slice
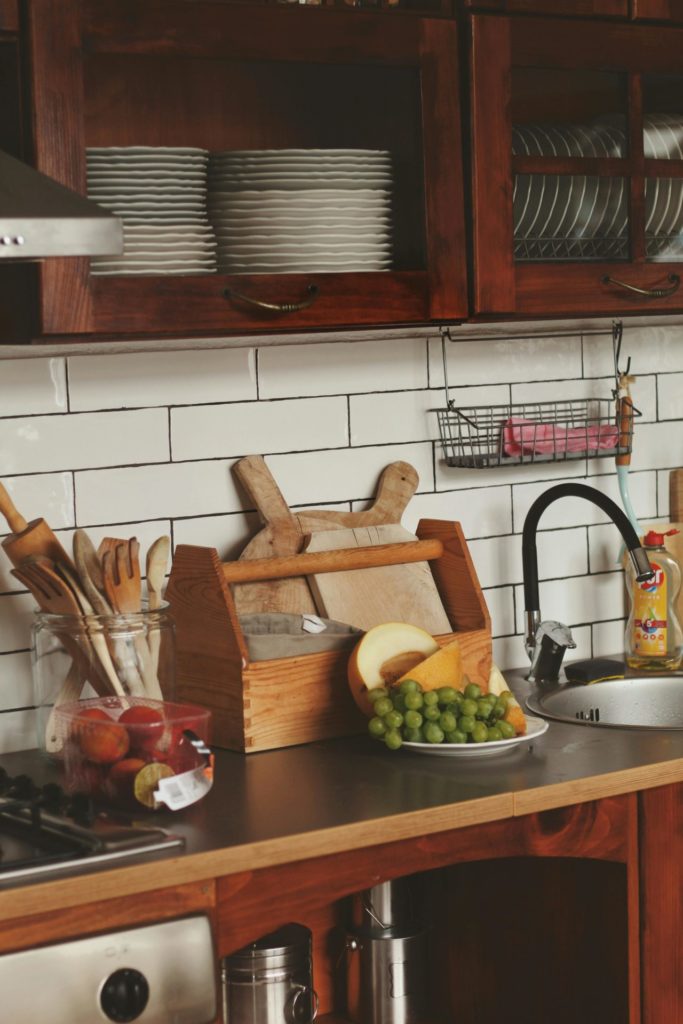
514	714
444	668
384	655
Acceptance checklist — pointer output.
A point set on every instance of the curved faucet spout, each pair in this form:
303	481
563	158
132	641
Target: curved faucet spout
640	560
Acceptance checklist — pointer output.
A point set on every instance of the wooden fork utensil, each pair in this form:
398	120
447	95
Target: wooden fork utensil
122	585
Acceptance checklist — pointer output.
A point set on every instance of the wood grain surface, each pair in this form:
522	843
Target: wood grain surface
391	593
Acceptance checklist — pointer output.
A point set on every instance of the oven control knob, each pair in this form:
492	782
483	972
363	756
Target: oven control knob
124	995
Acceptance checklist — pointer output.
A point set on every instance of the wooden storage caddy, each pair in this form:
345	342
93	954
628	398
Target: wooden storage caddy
263	705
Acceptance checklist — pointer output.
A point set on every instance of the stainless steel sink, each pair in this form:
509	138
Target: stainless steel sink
638	702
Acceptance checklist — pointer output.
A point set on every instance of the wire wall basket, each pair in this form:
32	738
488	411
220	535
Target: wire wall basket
480	437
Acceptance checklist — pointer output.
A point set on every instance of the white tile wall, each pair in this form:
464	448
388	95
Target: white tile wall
143	444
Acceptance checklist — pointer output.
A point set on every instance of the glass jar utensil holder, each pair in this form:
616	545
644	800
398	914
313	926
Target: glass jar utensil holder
83	656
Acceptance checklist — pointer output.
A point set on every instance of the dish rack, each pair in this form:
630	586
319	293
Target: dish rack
480	437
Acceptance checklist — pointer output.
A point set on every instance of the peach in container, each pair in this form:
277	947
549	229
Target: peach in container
134	752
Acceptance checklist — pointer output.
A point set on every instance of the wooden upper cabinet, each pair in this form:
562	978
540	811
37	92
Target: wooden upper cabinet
577	167
563	8
218	77
658	10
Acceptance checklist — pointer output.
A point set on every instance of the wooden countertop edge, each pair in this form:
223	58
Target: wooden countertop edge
74	891
595	787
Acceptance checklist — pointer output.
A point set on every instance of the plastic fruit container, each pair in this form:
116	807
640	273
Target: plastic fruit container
118	749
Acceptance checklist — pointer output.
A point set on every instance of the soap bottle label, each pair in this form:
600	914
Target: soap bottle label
649	614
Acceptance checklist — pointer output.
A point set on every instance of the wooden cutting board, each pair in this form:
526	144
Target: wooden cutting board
284	531
367	597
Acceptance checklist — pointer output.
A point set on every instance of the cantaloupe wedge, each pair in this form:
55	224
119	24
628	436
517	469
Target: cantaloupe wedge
444	668
514	714
383	655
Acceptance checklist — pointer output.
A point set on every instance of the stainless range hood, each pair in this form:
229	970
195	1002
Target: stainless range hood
39	217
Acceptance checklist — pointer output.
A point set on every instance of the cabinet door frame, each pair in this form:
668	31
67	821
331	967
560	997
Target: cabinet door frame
502	285
73	302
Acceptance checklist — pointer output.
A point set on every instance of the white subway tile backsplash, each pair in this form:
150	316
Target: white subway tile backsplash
482	512
505	362
580	600
560	553
32	386
341	368
155	492
572	511
345	474
142	379
49	496
670	396
39	444
409	415
501	606
222	431
92	447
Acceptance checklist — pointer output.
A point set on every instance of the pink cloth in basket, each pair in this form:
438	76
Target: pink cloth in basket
524	437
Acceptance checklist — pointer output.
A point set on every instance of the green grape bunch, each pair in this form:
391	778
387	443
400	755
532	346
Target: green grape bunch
408	714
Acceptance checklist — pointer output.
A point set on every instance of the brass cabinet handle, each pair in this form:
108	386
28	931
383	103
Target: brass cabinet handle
276	307
651	293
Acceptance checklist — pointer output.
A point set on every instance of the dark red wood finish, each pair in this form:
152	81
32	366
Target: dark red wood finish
226	76
661	886
658	10
563	8
499	45
9	16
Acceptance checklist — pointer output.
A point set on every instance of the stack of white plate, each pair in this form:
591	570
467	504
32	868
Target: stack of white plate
160	194
301	210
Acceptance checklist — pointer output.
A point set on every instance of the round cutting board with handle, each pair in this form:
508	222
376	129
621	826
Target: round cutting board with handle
284	531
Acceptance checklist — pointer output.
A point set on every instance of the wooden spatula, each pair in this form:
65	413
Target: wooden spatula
28	539
155	569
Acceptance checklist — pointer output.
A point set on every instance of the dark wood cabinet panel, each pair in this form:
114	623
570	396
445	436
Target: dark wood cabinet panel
9	16
561	8
223	77
575	167
658	10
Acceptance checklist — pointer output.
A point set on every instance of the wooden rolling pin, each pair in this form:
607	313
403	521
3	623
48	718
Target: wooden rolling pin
332	561
28	539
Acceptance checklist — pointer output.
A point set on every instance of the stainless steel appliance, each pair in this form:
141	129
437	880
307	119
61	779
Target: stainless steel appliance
151	975
386	957
44	831
271	981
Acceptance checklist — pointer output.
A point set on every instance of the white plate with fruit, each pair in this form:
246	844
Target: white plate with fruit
418	698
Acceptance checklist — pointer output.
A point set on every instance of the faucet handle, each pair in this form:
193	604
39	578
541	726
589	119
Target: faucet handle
552	639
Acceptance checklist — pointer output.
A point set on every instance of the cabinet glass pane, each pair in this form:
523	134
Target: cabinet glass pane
570	217
663	117
262	167
568	113
664	218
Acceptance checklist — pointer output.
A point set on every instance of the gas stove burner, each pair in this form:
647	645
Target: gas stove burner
44	829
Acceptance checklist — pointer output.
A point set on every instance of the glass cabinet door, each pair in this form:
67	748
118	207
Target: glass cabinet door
273	166
585	199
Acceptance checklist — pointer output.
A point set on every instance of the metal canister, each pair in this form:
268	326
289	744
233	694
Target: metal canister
386	957
271	981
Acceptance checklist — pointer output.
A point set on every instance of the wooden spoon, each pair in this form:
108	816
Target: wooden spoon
70	690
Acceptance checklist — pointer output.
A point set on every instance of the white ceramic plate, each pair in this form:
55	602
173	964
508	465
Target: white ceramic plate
175	150
152	271
535	728
264	153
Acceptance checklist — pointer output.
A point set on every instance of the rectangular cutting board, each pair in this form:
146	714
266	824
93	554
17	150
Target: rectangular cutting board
367	597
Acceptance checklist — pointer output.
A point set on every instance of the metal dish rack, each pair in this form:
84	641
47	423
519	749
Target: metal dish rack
480	437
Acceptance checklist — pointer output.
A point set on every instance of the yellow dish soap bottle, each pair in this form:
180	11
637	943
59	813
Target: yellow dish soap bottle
654	642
